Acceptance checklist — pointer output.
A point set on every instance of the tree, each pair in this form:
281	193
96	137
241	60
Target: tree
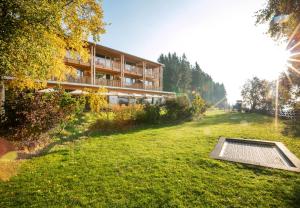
34	36
282	16
177	72
181	76
196	77
255	93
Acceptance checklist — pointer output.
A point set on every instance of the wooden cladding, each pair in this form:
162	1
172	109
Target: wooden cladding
119	66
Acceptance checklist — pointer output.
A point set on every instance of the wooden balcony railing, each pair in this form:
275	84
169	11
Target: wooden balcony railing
76	61
135	85
152	75
133	70
82	80
107	63
107	82
152	87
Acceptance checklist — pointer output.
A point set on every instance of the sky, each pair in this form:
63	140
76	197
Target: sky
220	35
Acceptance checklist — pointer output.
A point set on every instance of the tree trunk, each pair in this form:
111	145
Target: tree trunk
2	97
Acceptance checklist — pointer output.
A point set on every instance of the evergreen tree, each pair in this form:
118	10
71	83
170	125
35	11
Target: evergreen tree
180	76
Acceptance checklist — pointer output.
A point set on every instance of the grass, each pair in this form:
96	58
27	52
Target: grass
154	166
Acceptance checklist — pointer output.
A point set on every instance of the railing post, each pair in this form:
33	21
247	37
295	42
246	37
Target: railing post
93	49
94	65
144	75
161	78
122	62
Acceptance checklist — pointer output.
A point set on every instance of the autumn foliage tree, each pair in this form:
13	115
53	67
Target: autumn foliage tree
255	94
34	36
282	17
97	99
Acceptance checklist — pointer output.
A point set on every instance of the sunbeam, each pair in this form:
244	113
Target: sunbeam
290	66
289	78
293	60
294	46
276	104
293	35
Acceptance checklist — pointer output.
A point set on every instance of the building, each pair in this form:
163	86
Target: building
126	77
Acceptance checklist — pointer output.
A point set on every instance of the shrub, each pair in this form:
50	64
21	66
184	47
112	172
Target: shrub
29	114
121	117
178	108
173	109
97	100
198	106
150	114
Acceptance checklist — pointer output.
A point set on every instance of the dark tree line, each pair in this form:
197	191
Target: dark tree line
182	77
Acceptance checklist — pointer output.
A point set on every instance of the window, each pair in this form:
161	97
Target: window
129	81
100	75
79	73
148	83
149	71
129	66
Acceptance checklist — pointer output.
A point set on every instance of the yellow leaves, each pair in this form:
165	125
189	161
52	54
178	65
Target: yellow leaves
8	169
37	46
97	99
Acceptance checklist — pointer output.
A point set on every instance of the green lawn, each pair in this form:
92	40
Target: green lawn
154	166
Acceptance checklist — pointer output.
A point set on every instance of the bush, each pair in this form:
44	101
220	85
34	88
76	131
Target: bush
173	110
126	115
178	108
29	114
119	117
150	114
198	106
97	100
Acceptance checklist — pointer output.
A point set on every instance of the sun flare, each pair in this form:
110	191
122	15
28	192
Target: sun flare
280	58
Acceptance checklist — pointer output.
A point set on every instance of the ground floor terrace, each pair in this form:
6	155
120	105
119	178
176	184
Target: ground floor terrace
115	94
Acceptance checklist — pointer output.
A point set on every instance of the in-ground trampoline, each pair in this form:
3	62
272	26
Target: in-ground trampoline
256	152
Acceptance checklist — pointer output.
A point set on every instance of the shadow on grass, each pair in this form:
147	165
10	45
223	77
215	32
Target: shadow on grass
226	118
80	135
297	195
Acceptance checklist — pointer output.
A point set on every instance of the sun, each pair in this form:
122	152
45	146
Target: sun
280	57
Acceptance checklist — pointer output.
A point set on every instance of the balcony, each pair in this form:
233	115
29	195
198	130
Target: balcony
152	87
135	85
76	61
152	75
107	64
107	82
130	69
81	80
